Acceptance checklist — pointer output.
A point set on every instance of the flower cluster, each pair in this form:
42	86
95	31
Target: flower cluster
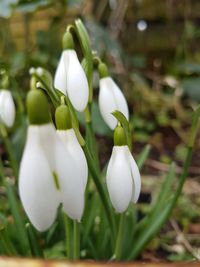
54	168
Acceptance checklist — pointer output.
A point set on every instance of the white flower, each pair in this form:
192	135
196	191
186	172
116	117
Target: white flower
122	178
73	147
7	108
111	99
49	176
71	80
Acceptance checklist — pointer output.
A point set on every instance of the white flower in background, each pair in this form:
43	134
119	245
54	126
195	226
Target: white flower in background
122	178
73	147
48	174
7	108
71	80
110	99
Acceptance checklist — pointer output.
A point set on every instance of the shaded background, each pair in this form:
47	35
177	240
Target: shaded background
152	50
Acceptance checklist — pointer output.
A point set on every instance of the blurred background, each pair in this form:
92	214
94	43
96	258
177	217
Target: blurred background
153	51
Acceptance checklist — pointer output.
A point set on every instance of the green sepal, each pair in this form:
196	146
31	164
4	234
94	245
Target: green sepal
37	107
119	136
67	41
125	124
62	118
103	70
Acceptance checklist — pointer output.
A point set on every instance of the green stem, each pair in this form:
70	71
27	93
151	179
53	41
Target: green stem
76	237
68	237
34	246
19	222
92	145
118	247
1	170
8	147
6	244
97	180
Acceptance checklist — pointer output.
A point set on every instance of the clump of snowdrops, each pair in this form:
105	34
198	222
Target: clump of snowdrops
70	208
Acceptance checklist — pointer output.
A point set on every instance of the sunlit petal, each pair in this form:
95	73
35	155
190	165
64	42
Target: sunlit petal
37	190
135	173
119	180
111	99
60	80
7	108
77	85
73	147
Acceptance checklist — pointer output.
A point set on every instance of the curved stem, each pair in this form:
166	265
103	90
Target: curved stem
99	186
6	141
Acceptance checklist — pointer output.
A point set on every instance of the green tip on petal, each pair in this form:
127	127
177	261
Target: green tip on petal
67	41
103	70
119	136
62	118
37	107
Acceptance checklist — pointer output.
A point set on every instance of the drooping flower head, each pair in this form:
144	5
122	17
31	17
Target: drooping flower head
70	77
123	176
111	98
68	137
7	108
48	175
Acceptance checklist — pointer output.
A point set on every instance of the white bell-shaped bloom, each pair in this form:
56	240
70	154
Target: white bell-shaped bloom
71	80
7	108
49	176
122	178
111	98
73	147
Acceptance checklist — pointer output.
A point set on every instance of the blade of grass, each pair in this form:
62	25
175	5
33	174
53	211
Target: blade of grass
32	236
160	201
143	156
151	230
7	244
13	203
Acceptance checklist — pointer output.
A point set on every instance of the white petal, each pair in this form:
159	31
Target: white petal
119	180
69	177
7	108
71	183
135	176
60	80
77	85
110	99
73	147
36	184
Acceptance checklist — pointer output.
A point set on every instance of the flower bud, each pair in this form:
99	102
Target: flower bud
119	136
37	107
62	117
103	70
67	41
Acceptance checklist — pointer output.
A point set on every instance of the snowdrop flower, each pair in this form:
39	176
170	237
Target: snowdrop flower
123	176
68	137
111	98
70	77
7	108
48	173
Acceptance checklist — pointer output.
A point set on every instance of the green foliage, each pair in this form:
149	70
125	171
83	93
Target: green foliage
155	105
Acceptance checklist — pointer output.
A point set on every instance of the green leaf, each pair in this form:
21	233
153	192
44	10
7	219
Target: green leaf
191	88
20	227
143	156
